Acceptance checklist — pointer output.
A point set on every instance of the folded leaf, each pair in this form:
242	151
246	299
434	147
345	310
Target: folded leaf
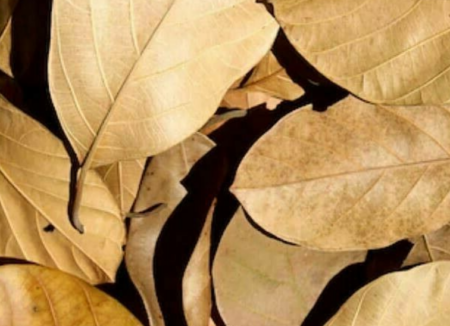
34	195
36	296
261	281
268	82
123	179
418	297
160	186
383	51
355	177
130	79
433	246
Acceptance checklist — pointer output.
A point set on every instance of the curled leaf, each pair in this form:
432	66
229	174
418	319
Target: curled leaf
160	185
358	176
383	51
417	297
35	296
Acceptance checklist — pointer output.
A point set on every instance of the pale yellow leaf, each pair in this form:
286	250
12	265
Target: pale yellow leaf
435	245
130	79
418	297
37	296
34	194
196	286
260	281
269	83
381	50
357	176
123	179
160	185
6	11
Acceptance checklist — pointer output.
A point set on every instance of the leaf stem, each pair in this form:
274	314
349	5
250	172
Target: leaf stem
428	248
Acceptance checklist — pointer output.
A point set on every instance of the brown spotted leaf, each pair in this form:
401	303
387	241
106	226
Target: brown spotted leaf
357	176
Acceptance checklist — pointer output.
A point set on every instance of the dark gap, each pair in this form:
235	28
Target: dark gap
49	228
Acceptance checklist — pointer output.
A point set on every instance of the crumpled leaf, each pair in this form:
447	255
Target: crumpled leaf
34	193
160	186
6	10
36	296
355	177
261	281
418	297
383	51
131	79
123	179
269	83
438	247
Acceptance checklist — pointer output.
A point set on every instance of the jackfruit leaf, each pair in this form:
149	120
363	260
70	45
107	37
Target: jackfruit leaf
392	52
357	176
123	179
160	186
260	281
417	297
34	195
35	296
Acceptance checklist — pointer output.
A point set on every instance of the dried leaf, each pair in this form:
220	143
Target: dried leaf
196	288
269	82
355	177
261	281
383	51
6	10
34	193
123	180
131	79
161	185
36	296
417	297
433	246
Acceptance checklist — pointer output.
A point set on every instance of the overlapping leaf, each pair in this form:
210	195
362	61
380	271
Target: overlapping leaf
261	281
36	296
130	79
161	186
6	11
269	83
383	51
34	194
123	180
355	177
417	297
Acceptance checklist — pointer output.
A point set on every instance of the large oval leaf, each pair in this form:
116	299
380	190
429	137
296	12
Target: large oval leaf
34	195
261	281
383	51
36	296
130	79
418	297
355	177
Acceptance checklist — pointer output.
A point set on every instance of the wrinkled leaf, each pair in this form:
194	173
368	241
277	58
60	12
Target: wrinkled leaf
269	82
196	286
418	297
120	89
36	296
437	248
34	192
261	281
123	180
355	177
160	186
383	51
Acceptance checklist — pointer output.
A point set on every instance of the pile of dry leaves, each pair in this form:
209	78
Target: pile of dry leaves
225	162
